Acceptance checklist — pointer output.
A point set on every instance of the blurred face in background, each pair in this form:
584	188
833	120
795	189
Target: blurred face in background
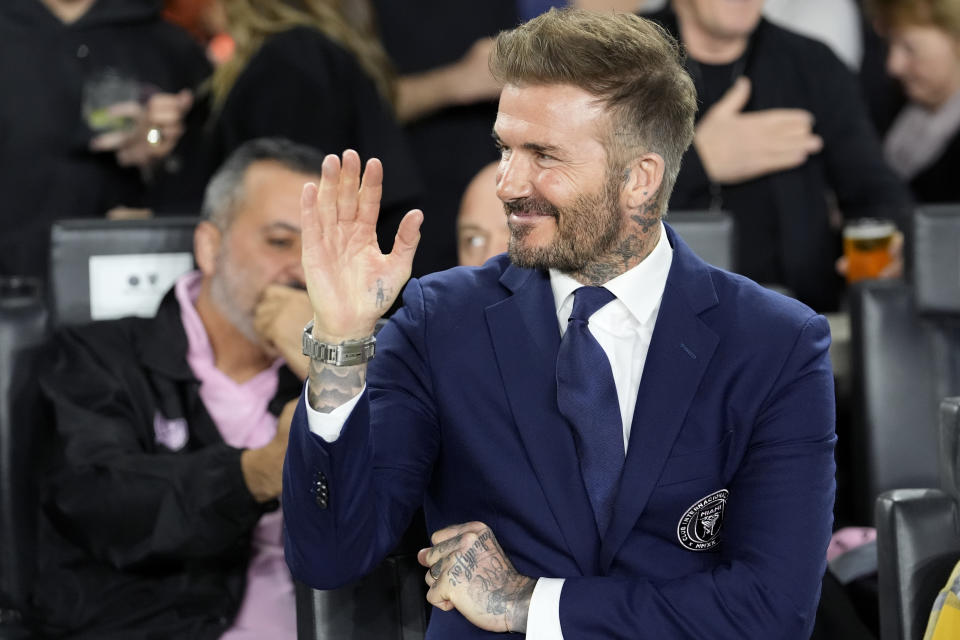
722	19
482	230
261	245
926	60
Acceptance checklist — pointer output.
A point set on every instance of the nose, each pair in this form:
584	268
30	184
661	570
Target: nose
513	178
296	273
896	61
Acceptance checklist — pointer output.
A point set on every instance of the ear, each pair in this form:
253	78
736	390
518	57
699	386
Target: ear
644	175
206	246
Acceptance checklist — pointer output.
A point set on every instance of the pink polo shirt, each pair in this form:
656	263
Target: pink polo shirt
240	412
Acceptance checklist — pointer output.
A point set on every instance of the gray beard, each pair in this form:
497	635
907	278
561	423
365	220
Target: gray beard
222	294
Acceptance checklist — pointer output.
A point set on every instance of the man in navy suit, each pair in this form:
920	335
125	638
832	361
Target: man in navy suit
659	468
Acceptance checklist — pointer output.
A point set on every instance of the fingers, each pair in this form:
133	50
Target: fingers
310	232
447	540
111	141
407	238
285	418
896	267
371	190
165	110
896	244
446	533
349	185
841	265
438	601
735	99
327	194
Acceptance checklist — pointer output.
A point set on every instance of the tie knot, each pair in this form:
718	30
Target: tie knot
587	300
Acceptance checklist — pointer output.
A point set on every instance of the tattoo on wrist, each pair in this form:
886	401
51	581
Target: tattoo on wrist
332	386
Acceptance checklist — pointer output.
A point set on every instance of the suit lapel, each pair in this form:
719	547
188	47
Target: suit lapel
526	338
680	351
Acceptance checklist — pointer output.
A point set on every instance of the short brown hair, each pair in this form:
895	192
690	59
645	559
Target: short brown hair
630	64
943	14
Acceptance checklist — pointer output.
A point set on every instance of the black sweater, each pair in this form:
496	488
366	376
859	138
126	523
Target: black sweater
46	169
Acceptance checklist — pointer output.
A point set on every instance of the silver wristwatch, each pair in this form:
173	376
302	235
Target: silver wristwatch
346	353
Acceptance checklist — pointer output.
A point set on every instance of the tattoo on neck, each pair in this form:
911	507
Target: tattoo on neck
628	253
332	386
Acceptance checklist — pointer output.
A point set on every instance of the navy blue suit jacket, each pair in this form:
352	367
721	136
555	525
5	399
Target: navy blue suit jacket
461	415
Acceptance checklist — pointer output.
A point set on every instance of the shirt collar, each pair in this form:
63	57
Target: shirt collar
639	289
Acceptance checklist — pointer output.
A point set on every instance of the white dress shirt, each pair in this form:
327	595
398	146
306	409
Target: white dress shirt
623	328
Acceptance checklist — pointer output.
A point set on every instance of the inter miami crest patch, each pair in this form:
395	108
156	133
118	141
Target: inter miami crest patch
699	527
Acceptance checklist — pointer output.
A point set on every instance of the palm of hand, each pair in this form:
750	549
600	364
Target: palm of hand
349	281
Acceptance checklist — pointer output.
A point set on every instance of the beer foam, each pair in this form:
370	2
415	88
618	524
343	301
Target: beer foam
869	230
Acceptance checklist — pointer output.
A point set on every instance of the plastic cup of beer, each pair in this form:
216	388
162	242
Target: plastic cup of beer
866	245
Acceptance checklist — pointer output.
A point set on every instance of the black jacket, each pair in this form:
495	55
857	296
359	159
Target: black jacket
303	86
940	182
138	540
46	169
451	145
788	70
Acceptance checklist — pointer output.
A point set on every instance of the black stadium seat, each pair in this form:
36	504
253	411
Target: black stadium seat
102	269
906	358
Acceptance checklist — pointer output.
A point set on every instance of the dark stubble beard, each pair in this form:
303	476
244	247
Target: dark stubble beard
587	230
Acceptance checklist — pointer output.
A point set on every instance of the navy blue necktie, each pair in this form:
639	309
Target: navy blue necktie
587	397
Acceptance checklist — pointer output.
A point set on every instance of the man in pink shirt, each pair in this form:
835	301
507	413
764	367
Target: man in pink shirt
160	503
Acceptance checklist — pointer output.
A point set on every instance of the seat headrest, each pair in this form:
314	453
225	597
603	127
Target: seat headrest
950	446
936	252
710	234
102	269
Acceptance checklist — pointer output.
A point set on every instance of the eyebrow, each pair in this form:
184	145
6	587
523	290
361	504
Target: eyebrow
281	226
536	147
470	226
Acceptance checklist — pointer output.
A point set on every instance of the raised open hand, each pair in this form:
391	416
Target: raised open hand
350	282
736	145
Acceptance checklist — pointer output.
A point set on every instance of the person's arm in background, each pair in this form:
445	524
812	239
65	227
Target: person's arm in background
303	87
863	183
128	501
865	186
463	82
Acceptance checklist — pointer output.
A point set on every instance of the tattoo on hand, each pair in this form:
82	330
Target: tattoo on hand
332	386
492	581
381	297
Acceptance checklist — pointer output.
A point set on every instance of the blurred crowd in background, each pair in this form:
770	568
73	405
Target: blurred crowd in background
124	108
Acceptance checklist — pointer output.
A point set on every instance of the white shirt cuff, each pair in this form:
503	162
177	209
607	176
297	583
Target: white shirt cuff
329	425
543	619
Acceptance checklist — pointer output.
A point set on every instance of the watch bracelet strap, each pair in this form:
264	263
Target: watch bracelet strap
344	354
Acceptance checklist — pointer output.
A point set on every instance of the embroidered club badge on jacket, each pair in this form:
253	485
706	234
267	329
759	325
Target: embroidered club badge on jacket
699	527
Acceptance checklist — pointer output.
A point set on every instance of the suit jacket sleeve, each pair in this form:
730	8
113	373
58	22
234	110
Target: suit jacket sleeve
778	518
370	498
112	488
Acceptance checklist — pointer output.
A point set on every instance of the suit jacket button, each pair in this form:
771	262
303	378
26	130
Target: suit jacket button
321	491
